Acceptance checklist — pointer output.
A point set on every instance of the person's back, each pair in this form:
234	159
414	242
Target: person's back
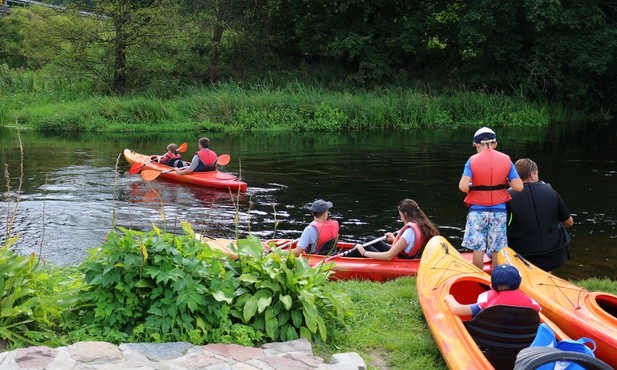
321	230
486	176
537	217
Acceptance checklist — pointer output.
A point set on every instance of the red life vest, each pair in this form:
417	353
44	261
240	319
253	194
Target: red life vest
168	157
207	157
506	297
325	231
419	241
489	176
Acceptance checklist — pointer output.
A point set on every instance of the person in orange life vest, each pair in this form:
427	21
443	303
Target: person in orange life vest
486	178
319	231
537	217
204	160
171	158
505	280
410	240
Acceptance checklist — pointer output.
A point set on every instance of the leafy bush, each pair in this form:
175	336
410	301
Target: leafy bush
26	317
160	287
281	295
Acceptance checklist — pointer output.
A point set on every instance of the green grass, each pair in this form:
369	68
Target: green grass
52	104
388	328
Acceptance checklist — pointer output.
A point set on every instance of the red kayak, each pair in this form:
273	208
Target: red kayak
360	268
211	179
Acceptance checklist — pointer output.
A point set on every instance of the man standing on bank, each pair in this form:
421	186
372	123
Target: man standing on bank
486	178
536	220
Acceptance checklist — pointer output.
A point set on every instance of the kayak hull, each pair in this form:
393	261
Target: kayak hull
578	312
211	179
444	271
360	268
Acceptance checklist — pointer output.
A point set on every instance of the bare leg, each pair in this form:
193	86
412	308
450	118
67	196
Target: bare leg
478	258
494	259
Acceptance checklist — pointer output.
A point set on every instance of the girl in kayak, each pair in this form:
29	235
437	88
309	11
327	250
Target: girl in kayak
410	240
204	160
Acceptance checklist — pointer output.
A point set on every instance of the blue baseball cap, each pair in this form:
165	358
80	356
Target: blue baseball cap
505	277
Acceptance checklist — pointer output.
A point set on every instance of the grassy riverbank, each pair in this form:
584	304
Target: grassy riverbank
57	105
387	327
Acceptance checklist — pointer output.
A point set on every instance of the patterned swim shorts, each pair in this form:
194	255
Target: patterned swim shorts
486	231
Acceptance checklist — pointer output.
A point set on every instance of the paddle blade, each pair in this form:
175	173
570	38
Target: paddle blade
182	148
223	159
135	168
149	175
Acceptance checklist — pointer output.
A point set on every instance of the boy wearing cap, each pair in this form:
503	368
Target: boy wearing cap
319	231
486	178
505	280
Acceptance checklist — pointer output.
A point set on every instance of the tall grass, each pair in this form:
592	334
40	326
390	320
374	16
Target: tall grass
56	104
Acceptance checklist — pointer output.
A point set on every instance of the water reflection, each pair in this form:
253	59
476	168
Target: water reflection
72	194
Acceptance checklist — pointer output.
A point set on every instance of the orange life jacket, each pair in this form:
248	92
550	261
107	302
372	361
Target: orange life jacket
489	176
419	241
325	231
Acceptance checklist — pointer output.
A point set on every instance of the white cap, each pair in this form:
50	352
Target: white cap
484	135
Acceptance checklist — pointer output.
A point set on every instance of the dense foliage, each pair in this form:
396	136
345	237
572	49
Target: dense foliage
27	315
159	287
540	49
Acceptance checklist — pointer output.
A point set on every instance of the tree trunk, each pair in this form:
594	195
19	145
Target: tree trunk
119	78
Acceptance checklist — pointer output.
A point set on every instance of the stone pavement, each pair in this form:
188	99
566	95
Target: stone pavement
296	355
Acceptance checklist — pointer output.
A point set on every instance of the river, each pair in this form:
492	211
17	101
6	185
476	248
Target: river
76	187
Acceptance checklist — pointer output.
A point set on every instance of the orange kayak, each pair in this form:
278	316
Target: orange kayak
360	268
211	179
444	271
578	312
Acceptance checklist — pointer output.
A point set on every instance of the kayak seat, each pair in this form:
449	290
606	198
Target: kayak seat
502	331
329	247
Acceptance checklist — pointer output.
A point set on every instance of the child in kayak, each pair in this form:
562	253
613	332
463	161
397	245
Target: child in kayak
319	232
505	280
171	158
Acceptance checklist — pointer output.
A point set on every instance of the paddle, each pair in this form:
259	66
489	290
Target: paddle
348	252
136	167
149	175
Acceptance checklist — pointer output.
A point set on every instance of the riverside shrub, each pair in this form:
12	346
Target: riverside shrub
161	287
26	316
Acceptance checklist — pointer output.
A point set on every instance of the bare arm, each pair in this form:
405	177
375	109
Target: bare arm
517	184
463	185
457	308
189	169
569	222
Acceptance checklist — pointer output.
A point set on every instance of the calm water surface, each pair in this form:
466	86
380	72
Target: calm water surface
72	194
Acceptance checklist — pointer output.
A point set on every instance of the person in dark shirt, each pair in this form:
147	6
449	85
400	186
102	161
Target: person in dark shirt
537	218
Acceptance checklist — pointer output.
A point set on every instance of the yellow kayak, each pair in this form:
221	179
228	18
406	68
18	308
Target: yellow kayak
444	271
578	312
